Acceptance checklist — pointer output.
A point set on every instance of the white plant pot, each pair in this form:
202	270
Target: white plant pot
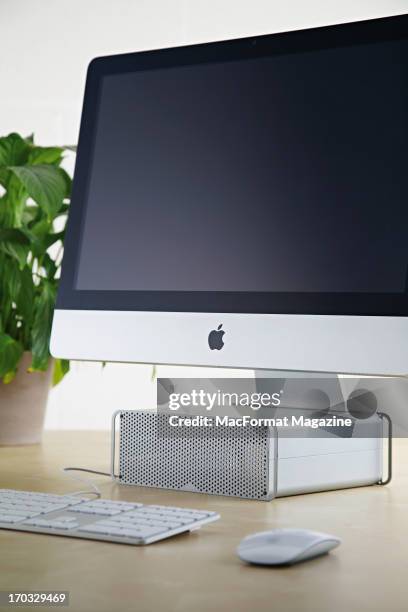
22	405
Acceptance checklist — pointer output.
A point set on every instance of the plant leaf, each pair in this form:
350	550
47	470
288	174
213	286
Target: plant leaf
64	209
15	243
49	266
61	367
52	239
42	237
10	234
14	150
25	296
41	330
19	252
68	182
11	282
30	214
46	185
10	355
45	155
13	202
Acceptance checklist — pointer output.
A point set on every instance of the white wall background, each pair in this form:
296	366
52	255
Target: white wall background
45	47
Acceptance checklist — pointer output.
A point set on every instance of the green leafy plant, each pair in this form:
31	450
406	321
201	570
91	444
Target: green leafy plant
34	199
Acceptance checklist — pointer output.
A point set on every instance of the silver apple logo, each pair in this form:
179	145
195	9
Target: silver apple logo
215	340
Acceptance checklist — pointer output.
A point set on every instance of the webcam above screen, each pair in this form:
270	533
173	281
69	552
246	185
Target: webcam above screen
244	204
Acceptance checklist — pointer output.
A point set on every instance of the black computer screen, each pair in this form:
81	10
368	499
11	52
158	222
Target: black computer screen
272	174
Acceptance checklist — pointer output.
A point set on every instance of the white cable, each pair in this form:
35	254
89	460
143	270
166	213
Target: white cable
95	489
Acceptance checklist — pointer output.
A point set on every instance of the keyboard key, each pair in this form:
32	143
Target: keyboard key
6	508
171	524
109	523
21	514
134	523
135	513
114	531
196	516
63	525
86	510
36	522
70	520
94	529
120	505
168	508
128	533
142	532
51	524
8	518
182	520
157	523
107	529
54	507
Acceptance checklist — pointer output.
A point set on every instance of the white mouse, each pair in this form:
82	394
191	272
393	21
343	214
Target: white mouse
285	546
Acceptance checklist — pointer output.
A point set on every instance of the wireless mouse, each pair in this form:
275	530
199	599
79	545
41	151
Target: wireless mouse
285	546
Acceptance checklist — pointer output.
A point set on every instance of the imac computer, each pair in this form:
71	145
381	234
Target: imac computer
244	204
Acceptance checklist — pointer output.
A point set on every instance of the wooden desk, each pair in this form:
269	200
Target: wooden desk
200	571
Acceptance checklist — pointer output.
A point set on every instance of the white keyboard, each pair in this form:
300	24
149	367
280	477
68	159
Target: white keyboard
100	519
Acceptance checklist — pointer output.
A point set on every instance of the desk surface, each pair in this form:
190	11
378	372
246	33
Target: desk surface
200	571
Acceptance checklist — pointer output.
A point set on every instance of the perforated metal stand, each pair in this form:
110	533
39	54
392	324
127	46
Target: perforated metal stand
145	452
150	453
